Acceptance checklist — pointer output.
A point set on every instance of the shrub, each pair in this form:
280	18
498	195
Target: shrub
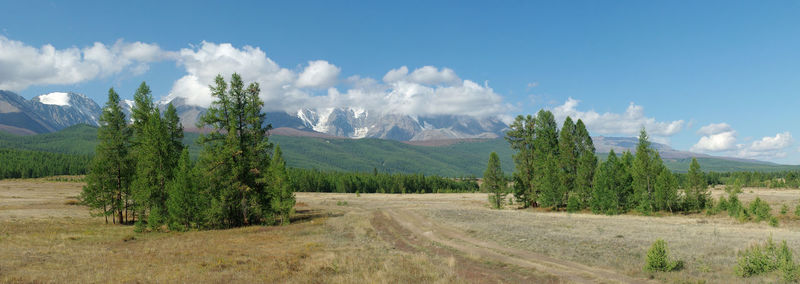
784	209
797	210
735	207
760	210
759	259
773	221
658	258
573	204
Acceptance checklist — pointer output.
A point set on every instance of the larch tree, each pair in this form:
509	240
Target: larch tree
281	186
236	155
666	191
587	163
494	181
568	152
183	198
697	187
546	171
112	168
520	136
644	173
605	199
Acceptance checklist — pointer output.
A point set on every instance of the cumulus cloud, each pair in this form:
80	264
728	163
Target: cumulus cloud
318	74
629	122
22	65
721	137
717	137
425	91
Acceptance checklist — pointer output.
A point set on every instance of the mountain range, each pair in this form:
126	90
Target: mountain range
52	112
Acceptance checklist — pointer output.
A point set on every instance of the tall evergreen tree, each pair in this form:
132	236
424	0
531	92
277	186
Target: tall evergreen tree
142	108
666	191
645	170
183	198
494	181
627	198
236	155
521	136
697	187
283	197
112	167
546	171
587	163
605	198
156	162
568	151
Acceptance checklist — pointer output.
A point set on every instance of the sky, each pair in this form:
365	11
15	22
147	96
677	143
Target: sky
714	77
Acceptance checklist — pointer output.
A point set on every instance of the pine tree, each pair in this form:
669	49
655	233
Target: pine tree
156	162
112	167
697	187
283	200
587	163
568	159
183	199
546	171
521	136
627	199
236	155
142	108
494	181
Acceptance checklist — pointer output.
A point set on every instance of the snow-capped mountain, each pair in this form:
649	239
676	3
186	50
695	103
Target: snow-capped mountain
45	113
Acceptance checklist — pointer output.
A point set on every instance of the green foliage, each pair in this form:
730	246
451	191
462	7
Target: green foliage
349	182
281	186
797	210
568	153
767	257
587	163
236	156
107	188
184	201
604	196
784	209
646	167
34	164
545	162
696	189
760	210
658	258
494	181
666	191
574	204
520	137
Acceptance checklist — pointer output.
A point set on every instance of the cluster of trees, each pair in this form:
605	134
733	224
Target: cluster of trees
781	179
304	180
552	167
142	172
34	164
558	168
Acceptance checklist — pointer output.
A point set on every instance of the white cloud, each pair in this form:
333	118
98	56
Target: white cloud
426	75
425	91
629	122
720	137
318	74
22	65
714	128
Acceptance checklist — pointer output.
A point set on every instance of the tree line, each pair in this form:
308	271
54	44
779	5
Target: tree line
142	173
33	164
305	180
558	168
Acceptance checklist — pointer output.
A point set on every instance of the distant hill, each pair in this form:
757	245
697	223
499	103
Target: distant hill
446	158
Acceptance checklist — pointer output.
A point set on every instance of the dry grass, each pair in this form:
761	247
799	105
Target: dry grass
44	240
44	237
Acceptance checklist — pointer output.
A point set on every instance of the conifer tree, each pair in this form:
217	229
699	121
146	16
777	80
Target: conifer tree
697	187
494	181
142	108
605	198
183	199
283	197
112	167
568	152
666	191
645	170
236	155
521	136
587	163
627	198
156	162
546	171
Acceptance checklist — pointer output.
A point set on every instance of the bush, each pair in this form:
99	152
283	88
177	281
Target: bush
784	209
760	259
797	210
773	221
658	258
760	210
573	204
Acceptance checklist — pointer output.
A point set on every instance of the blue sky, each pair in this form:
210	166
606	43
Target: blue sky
718	77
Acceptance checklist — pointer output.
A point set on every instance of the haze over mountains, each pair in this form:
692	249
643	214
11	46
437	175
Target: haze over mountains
55	111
